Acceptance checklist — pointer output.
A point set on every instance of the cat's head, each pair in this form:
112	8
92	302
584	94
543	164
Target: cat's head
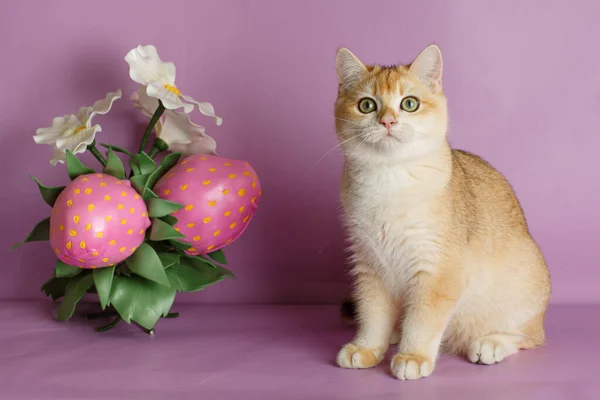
396	112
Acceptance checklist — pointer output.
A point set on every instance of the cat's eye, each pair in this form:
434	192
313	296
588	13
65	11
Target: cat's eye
367	105
410	104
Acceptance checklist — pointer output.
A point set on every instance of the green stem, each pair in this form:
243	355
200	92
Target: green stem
108	327
157	114
94	150
158	146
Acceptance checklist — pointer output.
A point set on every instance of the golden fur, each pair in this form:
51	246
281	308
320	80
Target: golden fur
442	258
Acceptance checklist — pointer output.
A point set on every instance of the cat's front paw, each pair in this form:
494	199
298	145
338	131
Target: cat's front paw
410	366
355	357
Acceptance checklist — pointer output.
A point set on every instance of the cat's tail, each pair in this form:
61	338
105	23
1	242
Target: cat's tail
348	309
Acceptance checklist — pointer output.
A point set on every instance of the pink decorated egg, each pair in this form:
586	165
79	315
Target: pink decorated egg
97	221
220	197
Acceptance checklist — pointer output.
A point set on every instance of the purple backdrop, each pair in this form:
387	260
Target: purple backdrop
522	82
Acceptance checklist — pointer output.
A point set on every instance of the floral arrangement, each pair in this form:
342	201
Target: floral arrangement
135	237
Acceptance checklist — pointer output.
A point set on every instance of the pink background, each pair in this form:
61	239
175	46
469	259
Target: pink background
522	80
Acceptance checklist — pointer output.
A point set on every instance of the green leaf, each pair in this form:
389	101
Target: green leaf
168	259
74	291
169	219
63	270
49	194
218	256
188	276
162	231
167	163
114	165
55	287
40	232
76	167
149	194
140	300
178	245
117	149
139	182
161	207
146	263
142	164
103	278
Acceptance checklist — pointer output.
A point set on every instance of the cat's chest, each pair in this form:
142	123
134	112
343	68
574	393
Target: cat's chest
396	230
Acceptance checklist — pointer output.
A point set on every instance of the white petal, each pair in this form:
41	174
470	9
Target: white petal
182	135
202	145
205	108
75	141
146	104
169	99
58	157
103	106
145	66
60	125
178	128
83	115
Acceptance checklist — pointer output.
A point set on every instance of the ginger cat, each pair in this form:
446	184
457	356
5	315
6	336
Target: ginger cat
442	258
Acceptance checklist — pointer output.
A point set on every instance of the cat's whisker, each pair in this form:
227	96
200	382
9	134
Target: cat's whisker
333	148
347	120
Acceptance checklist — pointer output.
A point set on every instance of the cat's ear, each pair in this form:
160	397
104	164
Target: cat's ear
428	67
349	68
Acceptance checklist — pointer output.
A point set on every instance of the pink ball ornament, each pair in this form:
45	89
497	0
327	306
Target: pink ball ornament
97	221
220	197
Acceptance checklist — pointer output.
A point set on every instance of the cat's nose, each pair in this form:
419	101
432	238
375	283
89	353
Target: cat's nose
388	121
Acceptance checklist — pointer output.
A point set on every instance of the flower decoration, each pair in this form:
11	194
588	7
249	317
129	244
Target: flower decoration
112	234
146	68
174	128
74	132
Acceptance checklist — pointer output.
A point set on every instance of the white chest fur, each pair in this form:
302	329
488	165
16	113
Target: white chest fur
391	223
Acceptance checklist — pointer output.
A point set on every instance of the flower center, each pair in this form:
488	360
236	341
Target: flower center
172	88
79	128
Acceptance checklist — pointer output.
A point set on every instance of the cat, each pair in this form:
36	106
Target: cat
441	255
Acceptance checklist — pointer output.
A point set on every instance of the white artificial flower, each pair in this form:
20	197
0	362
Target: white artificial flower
175	128
74	131
147	69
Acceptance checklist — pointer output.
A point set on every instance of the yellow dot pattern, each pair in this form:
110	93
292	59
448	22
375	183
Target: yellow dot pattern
197	238
69	245
91	207
76	218
88	191
130	231
82	244
72	232
69	203
189	169
191	225
189	207
212	203
100	234
206	220
232	176
184	187
206	182
107	198
76	191
88	226
95	254
241	192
